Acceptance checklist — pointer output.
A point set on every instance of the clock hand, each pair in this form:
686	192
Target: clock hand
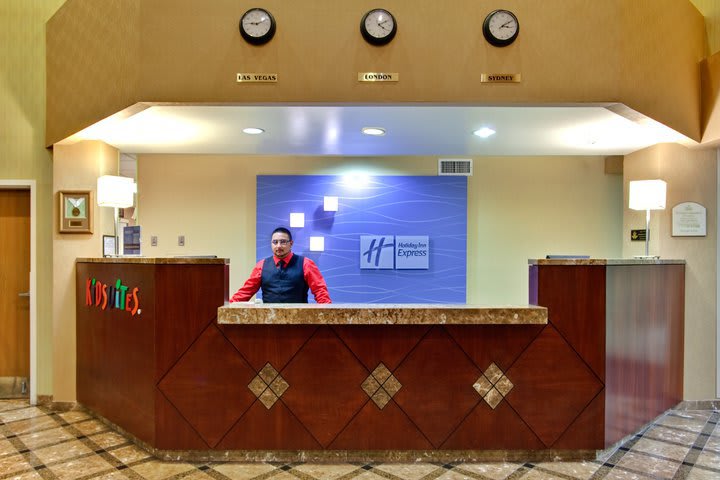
505	25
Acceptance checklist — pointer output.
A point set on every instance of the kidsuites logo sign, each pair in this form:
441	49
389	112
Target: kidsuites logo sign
118	296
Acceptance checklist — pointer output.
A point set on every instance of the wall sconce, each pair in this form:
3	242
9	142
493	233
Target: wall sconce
647	195
116	192
330	204
317	244
297	220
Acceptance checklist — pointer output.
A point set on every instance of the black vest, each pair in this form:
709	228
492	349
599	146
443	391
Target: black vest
286	285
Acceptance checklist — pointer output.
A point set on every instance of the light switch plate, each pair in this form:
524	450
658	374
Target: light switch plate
181	240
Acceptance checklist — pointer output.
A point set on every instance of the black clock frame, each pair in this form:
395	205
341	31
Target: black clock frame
375	40
262	39
491	39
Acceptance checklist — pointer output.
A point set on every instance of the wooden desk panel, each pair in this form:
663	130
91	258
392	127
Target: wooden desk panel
121	356
179	381
115	350
645	338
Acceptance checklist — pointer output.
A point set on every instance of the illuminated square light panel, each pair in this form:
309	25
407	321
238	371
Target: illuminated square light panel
331	204
317	244
297	220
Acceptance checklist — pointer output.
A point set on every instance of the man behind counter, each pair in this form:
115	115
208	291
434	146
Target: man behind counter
284	277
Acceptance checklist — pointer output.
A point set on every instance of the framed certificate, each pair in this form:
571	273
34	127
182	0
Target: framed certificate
75	211
689	219
109	245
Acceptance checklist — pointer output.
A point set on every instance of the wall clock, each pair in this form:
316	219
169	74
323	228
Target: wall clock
75	211
257	26
501	28
378	27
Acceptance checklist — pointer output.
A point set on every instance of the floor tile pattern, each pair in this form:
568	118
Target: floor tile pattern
38	443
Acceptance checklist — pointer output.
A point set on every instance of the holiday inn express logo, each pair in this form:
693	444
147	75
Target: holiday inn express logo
394	252
374	249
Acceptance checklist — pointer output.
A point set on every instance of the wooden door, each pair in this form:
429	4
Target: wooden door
14	287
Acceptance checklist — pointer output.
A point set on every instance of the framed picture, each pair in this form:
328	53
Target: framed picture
109	245
75	211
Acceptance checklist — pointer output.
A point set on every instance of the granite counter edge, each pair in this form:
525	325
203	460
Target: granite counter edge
253	315
606	261
157	260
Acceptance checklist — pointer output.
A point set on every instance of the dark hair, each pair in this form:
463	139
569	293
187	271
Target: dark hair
282	230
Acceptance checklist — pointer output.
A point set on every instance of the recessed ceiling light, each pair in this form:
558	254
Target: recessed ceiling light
356	179
376	131
484	132
253	131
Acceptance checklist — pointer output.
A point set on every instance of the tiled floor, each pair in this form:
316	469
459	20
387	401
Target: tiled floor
36	443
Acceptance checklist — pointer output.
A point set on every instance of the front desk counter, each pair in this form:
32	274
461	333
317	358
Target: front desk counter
343	382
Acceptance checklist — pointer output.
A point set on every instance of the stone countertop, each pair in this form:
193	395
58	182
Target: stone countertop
605	261
380	314
158	260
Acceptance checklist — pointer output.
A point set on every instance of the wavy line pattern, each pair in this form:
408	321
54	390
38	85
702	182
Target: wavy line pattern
388	205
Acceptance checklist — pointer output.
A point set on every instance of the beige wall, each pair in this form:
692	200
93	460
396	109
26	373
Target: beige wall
22	151
86	94
518	208
528	207
75	167
691	176
710	76
710	9
568	52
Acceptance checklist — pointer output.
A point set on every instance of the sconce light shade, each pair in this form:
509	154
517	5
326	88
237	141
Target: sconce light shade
113	191
647	195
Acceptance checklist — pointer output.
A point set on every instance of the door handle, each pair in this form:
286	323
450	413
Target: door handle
26	294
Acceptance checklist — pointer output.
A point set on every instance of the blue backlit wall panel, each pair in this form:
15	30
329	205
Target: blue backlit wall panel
435	207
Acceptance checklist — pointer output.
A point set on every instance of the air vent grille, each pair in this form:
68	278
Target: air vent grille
455	166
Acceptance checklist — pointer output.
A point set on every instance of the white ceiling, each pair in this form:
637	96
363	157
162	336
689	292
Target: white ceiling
442	130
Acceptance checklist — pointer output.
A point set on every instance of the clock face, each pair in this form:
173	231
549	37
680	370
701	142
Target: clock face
378	27
257	26
75	207
501	28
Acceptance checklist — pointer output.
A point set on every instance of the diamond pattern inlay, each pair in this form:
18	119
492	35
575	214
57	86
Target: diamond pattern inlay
493	373
198	386
381	385
370	385
268	398
381	398
381	373
279	385
482	386
268	385
268	373
550	369
392	385
493	385
504	385
257	386
493	398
